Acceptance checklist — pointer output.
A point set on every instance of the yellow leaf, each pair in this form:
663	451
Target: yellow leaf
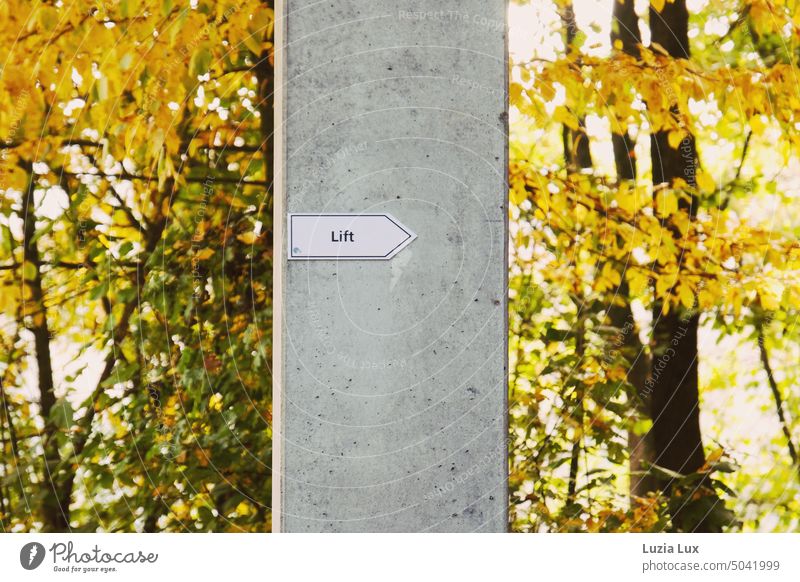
204	254
38	318
706	299
657	4
253	42
130	134
29	271
686	295
663	285
667	203
519	195
582	214
682	221
675	138
665	254
769	300
247	238
48	17
629	199
562	115
775	258
9	295
215	402
637	281
515	94
705	182
757	124
547	91
610	273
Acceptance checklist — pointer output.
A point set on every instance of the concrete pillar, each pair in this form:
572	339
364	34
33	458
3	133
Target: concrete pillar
390	375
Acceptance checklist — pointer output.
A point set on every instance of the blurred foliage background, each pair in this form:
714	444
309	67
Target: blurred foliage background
136	265
654	271
654	264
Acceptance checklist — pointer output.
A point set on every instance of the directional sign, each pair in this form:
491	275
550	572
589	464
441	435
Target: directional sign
346	236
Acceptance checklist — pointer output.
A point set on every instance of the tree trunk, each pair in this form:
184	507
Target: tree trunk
53	514
625	32
625	29
675	406
577	154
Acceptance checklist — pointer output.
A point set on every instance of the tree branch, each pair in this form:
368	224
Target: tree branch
120	328
776	395
745	147
128	212
189	179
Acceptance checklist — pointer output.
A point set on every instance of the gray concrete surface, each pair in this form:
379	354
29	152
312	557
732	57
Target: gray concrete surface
393	402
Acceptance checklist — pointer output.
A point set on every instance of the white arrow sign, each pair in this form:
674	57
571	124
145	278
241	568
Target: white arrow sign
346	236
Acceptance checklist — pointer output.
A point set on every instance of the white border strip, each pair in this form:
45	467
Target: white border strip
278	258
364	557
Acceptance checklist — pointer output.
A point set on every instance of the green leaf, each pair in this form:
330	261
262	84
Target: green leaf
201	62
29	271
100	290
723	467
122	373
61	414
665	473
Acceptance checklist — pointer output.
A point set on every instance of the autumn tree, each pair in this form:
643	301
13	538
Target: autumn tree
659	231
136	265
